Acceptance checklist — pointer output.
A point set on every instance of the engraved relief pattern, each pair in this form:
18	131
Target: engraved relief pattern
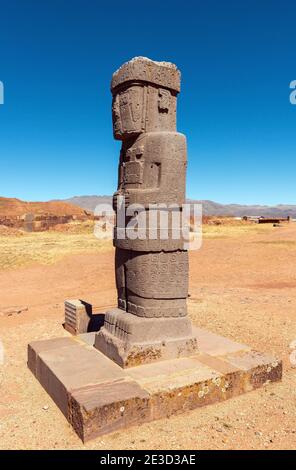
151	275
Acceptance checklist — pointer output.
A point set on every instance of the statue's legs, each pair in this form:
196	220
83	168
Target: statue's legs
151	321
157	284
121	258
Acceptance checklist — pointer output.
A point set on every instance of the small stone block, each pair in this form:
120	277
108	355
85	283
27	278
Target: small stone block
78	316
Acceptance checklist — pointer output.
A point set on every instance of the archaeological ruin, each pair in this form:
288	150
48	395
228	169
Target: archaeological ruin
147	361
151	321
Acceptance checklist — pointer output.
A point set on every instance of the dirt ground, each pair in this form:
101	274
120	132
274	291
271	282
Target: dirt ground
242	285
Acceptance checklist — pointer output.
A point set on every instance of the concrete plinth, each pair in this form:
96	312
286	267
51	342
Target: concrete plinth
97	396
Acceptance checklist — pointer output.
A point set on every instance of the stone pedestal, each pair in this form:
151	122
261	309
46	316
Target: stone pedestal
130	340
97	396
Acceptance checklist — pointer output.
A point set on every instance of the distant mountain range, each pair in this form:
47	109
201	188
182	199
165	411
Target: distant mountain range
88	203
209	207
12	207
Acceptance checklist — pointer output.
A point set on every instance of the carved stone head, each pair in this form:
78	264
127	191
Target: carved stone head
128	111
144	97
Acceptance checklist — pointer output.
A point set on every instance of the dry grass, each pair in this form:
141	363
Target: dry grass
240	289
46	247
281	243
229	231
49	247
75	227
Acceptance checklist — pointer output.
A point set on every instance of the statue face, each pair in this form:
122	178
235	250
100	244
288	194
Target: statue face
128	112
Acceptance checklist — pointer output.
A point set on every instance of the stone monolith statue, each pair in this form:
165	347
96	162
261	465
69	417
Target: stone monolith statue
151	321
101	391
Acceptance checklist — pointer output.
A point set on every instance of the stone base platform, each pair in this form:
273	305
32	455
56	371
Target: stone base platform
127	339
97	396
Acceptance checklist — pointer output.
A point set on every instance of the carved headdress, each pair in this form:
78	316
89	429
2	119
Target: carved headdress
142	69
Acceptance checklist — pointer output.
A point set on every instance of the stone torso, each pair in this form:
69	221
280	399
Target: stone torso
152	169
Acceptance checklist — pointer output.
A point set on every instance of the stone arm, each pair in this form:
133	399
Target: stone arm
161	169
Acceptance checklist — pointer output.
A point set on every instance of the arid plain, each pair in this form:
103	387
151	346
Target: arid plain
242	285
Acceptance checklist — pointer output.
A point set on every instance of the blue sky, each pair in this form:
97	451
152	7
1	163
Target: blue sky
237	60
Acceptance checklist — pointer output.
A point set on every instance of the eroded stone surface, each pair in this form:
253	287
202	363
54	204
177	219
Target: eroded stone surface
99	409
78	316
130	340
97	396
152	271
